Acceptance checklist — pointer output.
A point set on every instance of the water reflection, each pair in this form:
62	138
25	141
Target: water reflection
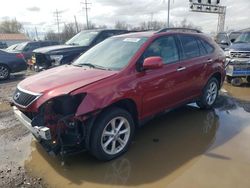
182	135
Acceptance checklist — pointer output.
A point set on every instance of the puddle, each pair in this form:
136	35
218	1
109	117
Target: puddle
187	147
242	92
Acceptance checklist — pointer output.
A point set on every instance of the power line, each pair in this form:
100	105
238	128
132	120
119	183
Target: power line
86	9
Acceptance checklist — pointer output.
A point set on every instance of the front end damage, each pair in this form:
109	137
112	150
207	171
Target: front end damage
56	127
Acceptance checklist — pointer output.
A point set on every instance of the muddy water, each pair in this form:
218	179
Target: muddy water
184	148
242	92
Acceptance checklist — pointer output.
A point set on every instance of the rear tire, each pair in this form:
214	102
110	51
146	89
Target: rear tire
237	81
209	94
229	79
4	72
112	134
248	79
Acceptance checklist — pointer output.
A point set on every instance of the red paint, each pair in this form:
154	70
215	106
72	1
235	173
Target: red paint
151	90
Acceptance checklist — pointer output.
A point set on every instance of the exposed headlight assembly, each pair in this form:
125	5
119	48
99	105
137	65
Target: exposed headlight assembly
227	53
56	58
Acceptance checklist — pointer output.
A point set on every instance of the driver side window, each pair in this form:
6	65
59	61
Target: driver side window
164	47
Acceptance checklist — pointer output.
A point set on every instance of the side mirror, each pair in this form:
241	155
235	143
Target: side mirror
155	62
233	40
224	43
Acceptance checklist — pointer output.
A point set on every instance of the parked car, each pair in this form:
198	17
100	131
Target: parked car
48	57
26	48
11	62
97	102
3	45
12	47
225	39
238	60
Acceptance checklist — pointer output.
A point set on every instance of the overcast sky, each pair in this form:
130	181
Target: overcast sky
39	13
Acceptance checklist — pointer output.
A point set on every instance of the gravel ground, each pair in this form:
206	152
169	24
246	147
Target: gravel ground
13	139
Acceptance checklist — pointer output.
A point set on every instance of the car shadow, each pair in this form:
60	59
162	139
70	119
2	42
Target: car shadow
160	147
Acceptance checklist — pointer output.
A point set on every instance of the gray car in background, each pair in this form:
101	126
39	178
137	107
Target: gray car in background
225	39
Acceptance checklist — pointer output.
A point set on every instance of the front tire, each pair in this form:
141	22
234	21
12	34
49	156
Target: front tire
112	134
209	94
4	72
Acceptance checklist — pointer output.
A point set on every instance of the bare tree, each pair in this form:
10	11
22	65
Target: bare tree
11	26
69	30
187	24
152	25
51	35
121	25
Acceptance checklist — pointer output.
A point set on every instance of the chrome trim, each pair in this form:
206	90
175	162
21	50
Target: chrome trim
26	91
38	132
29	92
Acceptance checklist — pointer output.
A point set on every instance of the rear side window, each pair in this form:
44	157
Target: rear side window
209	47
190	46
203	50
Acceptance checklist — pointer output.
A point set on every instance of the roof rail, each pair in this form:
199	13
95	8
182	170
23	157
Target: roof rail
182	29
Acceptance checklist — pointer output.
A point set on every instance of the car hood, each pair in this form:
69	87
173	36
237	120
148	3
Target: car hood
59	48
240	47
63	79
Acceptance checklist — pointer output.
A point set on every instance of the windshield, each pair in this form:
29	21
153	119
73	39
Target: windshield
114	53
243	38
222	37
83	38
21	46
234	35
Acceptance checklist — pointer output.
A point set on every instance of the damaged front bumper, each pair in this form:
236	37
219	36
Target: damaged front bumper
38	132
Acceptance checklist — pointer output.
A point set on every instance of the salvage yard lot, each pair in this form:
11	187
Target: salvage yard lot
186	147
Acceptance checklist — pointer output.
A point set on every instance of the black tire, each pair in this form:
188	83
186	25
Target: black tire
102	123
203	102
237	81
6	72
248	79
228	79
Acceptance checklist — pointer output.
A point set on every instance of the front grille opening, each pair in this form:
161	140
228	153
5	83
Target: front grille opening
23	99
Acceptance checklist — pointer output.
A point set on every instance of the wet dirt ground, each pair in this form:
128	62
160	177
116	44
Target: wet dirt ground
186	147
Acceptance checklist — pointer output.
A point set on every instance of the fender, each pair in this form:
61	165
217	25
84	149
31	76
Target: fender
92	102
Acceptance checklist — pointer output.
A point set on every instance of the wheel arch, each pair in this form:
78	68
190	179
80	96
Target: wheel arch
218	76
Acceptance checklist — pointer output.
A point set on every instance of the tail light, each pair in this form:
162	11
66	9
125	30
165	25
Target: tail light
20	55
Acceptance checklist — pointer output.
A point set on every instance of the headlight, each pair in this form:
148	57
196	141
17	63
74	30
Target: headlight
56	58
227	53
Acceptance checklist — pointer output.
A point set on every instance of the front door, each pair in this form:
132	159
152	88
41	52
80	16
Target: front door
161	88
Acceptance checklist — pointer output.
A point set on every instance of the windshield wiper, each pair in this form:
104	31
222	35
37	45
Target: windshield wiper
240	42
93	66
73	44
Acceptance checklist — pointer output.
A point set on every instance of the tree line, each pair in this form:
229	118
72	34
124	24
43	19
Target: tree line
70	29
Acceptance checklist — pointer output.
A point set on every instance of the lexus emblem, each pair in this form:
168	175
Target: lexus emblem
16	96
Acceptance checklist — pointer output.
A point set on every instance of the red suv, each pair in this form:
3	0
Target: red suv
97	102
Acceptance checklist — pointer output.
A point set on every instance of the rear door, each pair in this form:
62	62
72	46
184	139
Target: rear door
161	88
194	60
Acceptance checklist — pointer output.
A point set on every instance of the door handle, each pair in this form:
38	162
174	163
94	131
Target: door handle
181	69
209	61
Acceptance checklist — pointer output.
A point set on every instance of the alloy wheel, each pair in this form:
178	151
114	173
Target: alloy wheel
4	72
212	93
115	135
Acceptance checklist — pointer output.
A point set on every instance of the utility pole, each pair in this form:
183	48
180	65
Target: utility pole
36	33
168	11
57	15
76	24
86	8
